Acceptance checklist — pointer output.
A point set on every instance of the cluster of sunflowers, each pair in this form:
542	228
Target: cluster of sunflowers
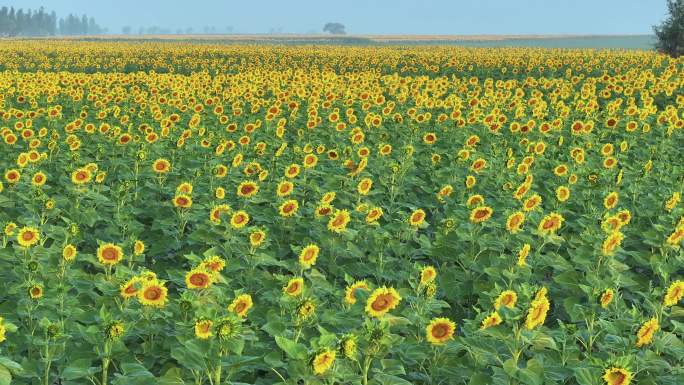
200	213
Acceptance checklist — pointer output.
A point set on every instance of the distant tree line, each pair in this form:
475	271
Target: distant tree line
41	23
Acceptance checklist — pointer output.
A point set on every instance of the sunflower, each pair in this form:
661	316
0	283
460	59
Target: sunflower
440	330
213	264
606	298
646	332
532	202
115	330
474	200
310	161
247	189
198	278
676	237
138	247
288	208
256	238
109	254
338	221
507	298
481	214
672	201
427	275
323	361
617	376
308	256
241	305
38	179
328	197
9	229
306	309
373	215
515	222
536	315
28	236
348	346
239	219
430	138
284	188
350	291
610	201
292	171
523	253
184	188
131	287
220	193
153	293
550	223
417	218
69	253
562	193
203	329
294	287
674	293
36	291
611	243
364	186
161	166
491	320
381	301
12	176
182	201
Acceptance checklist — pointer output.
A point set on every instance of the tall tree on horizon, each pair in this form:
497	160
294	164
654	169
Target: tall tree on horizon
670	33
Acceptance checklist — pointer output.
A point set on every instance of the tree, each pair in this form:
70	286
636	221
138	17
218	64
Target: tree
334	28
670	33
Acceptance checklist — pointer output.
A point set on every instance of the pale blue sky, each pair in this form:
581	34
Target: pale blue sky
373	16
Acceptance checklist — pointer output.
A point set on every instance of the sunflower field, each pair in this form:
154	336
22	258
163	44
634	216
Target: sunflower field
194	213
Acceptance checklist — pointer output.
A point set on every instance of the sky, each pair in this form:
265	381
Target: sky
440	17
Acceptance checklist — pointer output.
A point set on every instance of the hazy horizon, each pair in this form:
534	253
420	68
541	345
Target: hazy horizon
371	17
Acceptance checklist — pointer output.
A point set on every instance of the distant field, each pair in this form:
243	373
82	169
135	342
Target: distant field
548	41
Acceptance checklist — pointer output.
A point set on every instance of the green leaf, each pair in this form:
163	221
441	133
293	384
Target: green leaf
292	349
586	376
533	374
480	379
5	376
78	369
173	376
388	379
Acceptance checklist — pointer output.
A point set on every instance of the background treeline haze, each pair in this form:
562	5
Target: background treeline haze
18	22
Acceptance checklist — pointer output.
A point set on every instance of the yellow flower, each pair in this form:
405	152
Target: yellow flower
239	219
674	293
507	298
256	238
109	254
427	275
308	256
523	253
550	223
515	221
417	218
284	188
440	330
491	320
131	287
338	221
39	179
381	301
606	298
153	293
182	201
481	214
241	305
610	201
198	278
646	332
28	236
672	202
288	208
81	176
617	376
161	166
611	243
247	189
294	287
138	247
323	362
69	253
536	315
203	329
9	229
364	186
